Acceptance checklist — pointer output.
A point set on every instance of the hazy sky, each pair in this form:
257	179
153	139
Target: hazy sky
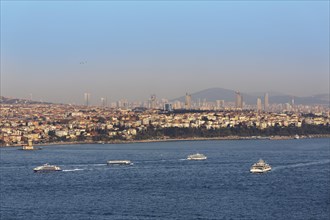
135	49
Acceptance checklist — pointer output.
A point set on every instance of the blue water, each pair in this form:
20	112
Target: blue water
163	185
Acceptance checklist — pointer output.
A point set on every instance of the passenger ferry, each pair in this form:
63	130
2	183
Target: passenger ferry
196	157
260	167
119	162
47	168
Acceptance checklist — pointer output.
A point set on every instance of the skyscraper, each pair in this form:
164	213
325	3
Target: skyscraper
242	102
153	101
168	107
103	102
292	101
188	102
220	103
259	104
293	108
87	97
239	100
266	104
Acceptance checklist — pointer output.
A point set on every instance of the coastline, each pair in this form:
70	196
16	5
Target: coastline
177	139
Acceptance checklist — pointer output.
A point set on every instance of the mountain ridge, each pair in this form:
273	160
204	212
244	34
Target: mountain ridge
228	95
10	100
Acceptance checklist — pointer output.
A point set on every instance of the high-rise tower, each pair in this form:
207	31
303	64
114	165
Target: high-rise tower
239	100
266	104
153	101
103	102
87	97
292	101
259	105
188	102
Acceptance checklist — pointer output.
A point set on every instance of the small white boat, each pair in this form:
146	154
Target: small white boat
196	157
119	162
29	146
260	167
47	168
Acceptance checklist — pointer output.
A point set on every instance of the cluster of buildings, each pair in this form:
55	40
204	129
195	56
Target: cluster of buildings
45	123
238	103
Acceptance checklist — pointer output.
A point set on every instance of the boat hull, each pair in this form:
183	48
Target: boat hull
45	171
33	149
196	158
260	171
119	162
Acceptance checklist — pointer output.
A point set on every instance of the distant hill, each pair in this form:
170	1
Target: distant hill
311	100
6	100
324	97
213	94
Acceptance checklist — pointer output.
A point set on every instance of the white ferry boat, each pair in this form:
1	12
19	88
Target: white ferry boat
119	162
47	168
260	167
196	157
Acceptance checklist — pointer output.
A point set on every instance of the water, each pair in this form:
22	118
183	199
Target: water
163	185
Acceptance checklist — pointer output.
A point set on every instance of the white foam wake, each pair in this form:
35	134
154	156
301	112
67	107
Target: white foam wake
72	170
301	165
97	165
84	165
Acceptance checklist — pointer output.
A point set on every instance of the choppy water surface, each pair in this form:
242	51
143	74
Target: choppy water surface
163	185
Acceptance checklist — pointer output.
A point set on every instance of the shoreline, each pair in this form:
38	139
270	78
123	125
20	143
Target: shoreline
177	139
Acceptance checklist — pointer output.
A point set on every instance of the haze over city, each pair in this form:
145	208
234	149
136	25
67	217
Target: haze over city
57	51
165	109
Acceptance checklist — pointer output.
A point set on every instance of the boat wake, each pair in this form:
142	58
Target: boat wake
154	161
18	167
72	170
301	165
98	165
84	165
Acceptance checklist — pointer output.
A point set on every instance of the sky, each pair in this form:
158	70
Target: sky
58	50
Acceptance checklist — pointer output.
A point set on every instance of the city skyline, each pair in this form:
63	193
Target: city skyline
212	95
132	50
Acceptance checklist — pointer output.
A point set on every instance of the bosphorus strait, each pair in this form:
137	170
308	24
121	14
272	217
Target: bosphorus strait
163	184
